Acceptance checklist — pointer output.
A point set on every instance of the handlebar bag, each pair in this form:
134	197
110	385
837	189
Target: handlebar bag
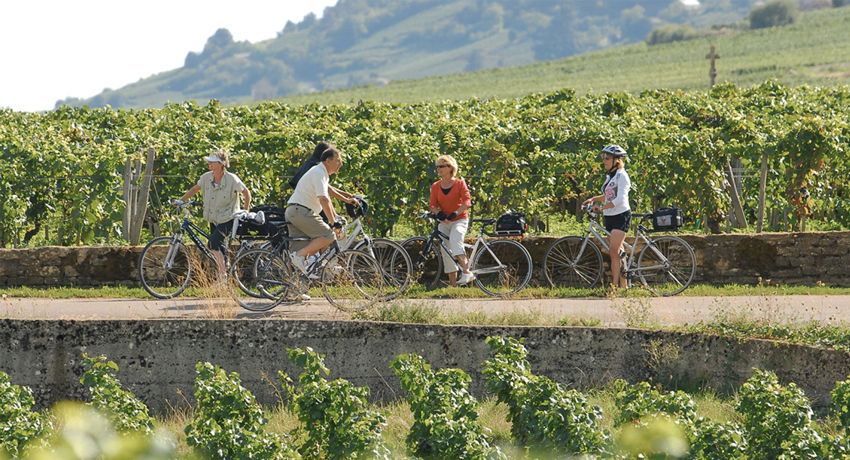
670	219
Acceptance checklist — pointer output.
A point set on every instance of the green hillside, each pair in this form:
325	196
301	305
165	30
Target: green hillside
815	51
363	42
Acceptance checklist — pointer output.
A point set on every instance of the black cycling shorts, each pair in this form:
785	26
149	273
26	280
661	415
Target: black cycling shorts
622	221
218	233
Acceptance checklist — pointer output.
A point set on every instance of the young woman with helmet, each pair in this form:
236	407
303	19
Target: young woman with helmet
615	208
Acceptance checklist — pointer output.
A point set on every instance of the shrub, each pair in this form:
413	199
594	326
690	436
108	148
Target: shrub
18	423
336	420
774	13
126	413
543	413
446	416
637	401
228	423
778	419
671	33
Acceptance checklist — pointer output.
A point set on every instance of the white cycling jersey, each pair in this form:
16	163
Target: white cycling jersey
616	190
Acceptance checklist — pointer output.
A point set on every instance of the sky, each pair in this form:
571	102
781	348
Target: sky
53	49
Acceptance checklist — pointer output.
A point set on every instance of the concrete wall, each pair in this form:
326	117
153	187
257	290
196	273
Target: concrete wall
157	358
786	258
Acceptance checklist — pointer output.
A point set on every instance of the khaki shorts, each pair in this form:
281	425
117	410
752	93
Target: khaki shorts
304	223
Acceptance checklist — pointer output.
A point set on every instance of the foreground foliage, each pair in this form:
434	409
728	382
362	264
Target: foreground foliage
772	420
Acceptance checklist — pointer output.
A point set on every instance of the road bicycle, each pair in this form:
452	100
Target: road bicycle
166	264
666	264
501	266
350	279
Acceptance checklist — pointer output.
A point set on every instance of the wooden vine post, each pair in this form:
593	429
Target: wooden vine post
136	196
713	71
762	188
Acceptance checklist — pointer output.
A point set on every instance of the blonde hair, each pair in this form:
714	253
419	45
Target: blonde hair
223	156
619	162
447	159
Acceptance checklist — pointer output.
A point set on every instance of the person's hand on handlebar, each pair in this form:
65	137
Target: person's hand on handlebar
176	203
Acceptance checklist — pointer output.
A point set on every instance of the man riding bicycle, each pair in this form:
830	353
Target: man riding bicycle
312	196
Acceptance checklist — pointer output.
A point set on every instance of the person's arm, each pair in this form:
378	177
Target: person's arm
192	191
593	199
340	195
328	207
434	204
247	195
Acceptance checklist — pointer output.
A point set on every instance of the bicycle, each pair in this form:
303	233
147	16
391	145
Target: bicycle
666	264
393	259
165	264
351	280
501	266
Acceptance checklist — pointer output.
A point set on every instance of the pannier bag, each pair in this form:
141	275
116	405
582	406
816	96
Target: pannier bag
271	228
511	224
668	219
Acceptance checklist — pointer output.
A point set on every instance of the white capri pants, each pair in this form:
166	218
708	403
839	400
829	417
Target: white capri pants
456	232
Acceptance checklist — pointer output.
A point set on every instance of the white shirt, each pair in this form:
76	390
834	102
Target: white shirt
616	190
313	184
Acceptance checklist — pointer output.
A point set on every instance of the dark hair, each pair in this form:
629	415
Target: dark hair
320	148
329	153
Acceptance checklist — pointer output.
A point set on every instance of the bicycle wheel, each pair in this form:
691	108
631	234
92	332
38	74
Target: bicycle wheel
260	280
395	264
427	268
165	267
667	265
352	281
564	267
502	268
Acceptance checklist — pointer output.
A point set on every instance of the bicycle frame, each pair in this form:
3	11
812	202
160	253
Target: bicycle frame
597	230
480	243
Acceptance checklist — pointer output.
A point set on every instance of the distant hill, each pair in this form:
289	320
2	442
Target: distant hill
814	52
375	42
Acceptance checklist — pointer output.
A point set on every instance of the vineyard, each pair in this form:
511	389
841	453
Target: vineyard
61	171
547	420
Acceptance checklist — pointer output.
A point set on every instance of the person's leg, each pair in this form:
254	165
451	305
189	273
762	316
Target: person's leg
218	234
303	223
449	265
615	243
456	236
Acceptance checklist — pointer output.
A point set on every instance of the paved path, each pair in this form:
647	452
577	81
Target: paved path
670	310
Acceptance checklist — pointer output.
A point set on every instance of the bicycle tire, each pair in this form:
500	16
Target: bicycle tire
427	268
667	265
562	268
505	274
352	281
161	281
260	280
395	263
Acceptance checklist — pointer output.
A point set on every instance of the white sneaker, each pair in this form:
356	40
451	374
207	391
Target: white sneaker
465	278
299	262
305	297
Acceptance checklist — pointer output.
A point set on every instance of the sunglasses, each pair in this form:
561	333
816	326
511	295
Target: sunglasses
442	166
606	158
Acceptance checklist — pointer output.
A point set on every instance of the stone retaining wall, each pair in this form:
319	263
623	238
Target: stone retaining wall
785	258
157	358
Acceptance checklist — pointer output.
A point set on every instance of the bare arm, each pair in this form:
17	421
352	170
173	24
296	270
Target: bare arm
247	195
192	191
340	195
328	207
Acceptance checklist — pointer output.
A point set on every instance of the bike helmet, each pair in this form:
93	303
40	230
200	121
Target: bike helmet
615	150
359	210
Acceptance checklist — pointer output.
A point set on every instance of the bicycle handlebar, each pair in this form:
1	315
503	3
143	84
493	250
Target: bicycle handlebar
183	204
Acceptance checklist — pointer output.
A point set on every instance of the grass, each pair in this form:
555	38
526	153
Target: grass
419	292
